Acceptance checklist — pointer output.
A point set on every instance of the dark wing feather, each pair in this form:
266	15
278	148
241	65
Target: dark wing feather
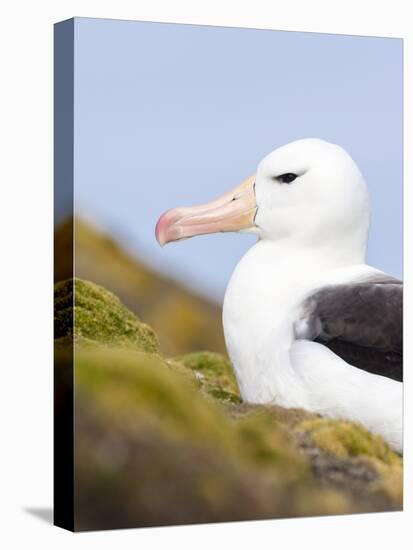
362	323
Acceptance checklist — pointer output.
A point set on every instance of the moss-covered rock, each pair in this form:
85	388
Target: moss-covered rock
154	390
364	462
184	321
346	439
167	441
214	374
150	450
84	310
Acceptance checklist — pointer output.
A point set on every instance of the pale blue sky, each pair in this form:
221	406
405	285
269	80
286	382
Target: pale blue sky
168	115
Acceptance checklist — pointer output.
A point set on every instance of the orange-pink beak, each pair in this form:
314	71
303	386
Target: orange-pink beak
233	211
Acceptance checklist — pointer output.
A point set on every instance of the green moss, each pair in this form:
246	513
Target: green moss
151	448
155	442
183	320
214	374
125	379
85	310
346	440
358	450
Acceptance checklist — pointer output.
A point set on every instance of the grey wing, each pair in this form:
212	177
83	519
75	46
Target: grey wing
362	323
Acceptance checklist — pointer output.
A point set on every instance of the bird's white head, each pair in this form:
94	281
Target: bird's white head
308	191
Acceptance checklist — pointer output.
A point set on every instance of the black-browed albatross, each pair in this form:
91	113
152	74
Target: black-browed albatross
307	323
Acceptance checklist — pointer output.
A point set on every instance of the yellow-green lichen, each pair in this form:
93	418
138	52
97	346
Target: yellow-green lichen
366	451
346	439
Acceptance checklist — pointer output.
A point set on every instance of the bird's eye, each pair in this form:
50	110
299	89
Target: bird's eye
286	178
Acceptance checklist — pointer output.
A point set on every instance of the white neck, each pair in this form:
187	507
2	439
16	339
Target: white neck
261	305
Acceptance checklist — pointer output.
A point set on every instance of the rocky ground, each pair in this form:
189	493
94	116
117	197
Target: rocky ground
167	440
